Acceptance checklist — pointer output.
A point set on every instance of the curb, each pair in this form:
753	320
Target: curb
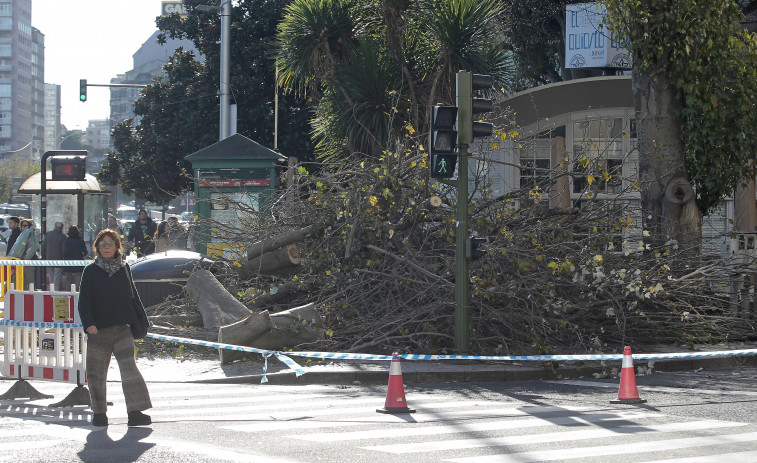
479	373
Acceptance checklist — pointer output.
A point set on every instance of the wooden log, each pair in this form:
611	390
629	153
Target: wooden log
216	305
250	327
274	242
270	262
193	319
275	295
290	328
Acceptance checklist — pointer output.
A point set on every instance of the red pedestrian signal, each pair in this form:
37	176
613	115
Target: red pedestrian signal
68	168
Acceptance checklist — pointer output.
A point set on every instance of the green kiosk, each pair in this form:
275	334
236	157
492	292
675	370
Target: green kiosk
235	171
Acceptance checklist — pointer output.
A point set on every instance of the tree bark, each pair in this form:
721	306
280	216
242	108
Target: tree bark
250	327
270	262
217	306
290	328
669	209
279	293
274	242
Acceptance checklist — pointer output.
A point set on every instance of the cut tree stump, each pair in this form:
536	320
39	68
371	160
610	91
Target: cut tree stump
216	305
290	328
271	262
250	327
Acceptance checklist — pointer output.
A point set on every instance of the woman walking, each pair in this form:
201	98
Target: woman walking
106	311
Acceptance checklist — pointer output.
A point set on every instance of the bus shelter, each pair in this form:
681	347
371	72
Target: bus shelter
232	172
83	203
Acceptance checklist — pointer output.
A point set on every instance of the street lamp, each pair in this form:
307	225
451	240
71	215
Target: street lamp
224	129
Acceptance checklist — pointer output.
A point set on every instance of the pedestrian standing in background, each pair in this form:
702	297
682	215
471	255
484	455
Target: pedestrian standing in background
52	249
13	225
106	310
177	235
74	248
161	237
113	225
141	234
25	248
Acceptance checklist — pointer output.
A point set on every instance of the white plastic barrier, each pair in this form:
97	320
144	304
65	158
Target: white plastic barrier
44	338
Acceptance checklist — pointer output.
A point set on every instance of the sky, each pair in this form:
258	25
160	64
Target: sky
93	40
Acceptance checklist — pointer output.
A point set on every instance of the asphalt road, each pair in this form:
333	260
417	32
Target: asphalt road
689	417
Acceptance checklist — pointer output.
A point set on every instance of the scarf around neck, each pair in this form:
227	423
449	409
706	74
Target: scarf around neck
110	266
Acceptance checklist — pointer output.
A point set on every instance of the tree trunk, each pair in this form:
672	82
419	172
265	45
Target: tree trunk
270	262
276	294
250	327
290	328
274	242
217	306
668	202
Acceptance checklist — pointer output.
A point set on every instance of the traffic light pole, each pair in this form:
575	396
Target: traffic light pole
464	93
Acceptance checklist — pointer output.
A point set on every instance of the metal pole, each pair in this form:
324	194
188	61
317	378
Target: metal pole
224	125
464	92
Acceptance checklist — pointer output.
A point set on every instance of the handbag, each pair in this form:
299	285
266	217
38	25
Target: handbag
138	329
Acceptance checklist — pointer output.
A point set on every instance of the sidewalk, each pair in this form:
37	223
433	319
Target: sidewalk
414	371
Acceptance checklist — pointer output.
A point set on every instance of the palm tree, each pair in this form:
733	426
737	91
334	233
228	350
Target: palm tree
370	69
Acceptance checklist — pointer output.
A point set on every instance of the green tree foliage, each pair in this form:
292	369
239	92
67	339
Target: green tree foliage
178	114
14	167
371	68
710	63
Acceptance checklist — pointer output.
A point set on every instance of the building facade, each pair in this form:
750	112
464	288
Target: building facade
52	131
21	81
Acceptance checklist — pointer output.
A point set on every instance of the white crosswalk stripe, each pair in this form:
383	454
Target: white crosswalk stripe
446	427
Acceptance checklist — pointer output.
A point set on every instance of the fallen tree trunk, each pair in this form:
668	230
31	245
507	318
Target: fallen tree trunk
216	305
289	328
194	319
276	294
270	262
250	327
274	242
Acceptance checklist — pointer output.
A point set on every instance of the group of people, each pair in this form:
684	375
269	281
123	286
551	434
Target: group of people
148	237
57	246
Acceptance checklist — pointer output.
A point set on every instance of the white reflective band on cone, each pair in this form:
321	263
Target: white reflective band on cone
627	361
394	368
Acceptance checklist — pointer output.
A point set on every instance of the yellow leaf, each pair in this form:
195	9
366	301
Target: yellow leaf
590	178
373	200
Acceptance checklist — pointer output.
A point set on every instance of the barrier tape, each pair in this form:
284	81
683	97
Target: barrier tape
284	357
45	263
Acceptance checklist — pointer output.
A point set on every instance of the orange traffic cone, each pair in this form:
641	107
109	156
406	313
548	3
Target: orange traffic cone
628	393
395	395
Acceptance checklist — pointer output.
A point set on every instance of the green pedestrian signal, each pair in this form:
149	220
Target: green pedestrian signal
443	141
443	165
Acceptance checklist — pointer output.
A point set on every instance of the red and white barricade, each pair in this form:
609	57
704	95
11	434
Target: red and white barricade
44	338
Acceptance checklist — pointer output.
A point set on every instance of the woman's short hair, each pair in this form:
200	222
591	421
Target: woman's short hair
73	231
108	233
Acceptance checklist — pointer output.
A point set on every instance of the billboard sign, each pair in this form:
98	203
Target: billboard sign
173	7
588	42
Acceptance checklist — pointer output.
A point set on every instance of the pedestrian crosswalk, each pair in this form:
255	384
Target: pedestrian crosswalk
223	422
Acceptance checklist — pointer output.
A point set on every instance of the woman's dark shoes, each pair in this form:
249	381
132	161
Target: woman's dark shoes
100	419
136	419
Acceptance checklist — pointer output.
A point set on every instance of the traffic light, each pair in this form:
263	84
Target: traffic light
82	90
68	167
476	247
467	84
443	141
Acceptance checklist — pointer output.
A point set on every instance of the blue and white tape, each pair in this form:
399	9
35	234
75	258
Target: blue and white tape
284	357
45	263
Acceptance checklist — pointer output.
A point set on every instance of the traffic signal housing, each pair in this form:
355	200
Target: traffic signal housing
443	141
476	248
467	84
67	168
82	90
